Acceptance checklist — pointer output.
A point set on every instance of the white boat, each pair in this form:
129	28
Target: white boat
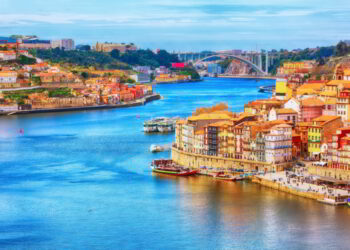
160	124
335	201
166	126
155	148
150	127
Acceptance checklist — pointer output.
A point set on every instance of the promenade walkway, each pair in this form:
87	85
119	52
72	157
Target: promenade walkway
300	182
17	89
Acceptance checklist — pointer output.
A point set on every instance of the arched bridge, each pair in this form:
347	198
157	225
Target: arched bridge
254	66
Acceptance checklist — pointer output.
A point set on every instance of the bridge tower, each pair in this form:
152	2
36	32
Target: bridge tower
260	60
267	63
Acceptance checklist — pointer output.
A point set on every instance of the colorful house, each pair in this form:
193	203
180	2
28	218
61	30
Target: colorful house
311	108
289	115
8	55
283	91
320	132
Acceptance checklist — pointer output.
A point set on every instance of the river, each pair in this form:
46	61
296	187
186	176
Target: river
81	180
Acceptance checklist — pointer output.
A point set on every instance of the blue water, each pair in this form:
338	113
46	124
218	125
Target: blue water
81	180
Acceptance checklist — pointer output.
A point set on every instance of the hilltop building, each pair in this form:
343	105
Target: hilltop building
66	44
108	47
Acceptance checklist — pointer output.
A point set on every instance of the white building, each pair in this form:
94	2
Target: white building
278	144
285	114
143	69
141	78
293	104
187	137
8	76
7	55
8	108
66	44
199	141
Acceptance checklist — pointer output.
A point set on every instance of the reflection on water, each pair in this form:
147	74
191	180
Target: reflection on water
258	216
82	180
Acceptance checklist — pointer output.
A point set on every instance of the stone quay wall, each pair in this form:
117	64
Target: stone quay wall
195	161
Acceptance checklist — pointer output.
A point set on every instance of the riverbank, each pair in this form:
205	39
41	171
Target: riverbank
139	102
280	187
248	77
180	81
298	185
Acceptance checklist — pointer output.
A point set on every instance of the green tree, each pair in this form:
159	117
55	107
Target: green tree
85	75
341	49
115	54
32	52
129	80
26	60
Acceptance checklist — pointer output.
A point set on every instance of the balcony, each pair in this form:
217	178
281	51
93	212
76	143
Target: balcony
319	141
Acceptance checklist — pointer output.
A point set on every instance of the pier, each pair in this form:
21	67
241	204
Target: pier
267	89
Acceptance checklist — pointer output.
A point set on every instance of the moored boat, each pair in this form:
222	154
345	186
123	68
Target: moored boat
239	178
150	127
224	177
170	168
227	177
166	126
174	172
156	148
160	124
335	201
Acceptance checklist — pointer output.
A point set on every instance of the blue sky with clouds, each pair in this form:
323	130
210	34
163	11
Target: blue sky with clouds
183	24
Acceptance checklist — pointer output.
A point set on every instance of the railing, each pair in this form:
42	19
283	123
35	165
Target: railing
314	140
279	147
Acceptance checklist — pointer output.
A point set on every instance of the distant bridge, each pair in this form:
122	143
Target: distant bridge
239	58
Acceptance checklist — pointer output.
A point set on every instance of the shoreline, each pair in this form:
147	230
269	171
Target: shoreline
280	187
249	77
174	82
136	103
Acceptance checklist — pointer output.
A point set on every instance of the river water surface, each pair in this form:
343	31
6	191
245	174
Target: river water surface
81	180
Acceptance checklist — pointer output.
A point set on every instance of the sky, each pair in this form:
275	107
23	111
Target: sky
183	25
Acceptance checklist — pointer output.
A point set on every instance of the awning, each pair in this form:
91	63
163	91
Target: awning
332	180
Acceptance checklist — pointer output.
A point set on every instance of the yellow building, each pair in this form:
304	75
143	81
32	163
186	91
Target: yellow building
310	89
108	47
315	134
290	68
320	132
283	92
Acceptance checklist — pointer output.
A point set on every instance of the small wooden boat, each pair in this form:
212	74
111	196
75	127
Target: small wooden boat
224	177
227	177
239	178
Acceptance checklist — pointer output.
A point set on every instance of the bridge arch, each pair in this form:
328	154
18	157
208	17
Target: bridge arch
254	66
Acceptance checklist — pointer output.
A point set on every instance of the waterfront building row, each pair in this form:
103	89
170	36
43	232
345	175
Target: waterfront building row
240	138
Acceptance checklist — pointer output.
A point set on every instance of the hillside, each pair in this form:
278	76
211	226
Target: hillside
112	60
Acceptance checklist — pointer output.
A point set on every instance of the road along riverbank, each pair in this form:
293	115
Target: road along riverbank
139	102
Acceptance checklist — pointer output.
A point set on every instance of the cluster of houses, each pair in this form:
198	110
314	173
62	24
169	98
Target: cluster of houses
266	145
161	74
309	121
102	87
33	42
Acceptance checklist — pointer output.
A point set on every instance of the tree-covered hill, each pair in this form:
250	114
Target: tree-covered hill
112	60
